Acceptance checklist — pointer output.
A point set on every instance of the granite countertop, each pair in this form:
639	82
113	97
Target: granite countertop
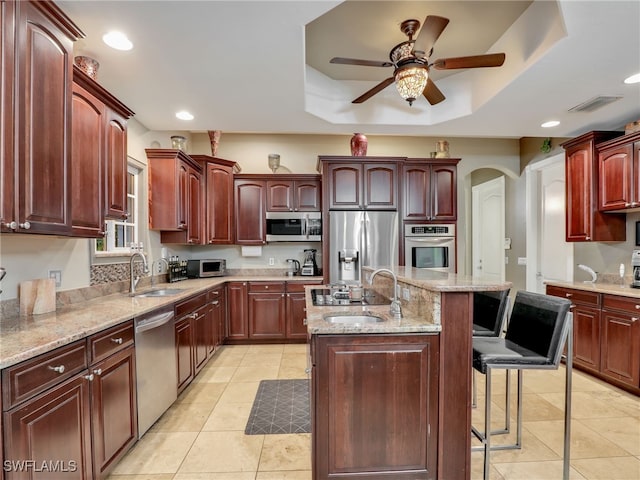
25	337
609	288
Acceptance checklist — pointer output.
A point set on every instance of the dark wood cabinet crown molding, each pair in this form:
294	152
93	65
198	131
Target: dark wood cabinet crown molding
102	93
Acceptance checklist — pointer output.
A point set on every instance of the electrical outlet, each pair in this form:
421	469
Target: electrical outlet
272	261
57	276
522	260
406	294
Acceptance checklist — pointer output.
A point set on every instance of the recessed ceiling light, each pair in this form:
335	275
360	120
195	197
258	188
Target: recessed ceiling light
633	79
117	40
552	123
184	115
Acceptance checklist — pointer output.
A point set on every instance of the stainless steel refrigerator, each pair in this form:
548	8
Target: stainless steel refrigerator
361	238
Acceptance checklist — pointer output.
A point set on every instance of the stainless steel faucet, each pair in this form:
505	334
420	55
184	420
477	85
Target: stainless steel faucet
394	308
135	279
166	264
3	272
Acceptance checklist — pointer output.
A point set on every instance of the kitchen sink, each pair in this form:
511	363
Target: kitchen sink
160	292
357	319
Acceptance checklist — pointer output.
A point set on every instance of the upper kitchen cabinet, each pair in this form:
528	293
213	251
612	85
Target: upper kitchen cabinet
619	170
360	183
250	200
37	59
583	220
430	189
218	198
293	193
98	158
175	196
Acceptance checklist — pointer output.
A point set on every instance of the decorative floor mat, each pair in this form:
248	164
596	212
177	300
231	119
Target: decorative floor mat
280	406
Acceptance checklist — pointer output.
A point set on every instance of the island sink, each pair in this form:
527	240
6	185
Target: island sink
353	319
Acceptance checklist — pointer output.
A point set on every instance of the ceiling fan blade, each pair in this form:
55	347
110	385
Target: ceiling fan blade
430	32
362	63
432	93
378	88
474	61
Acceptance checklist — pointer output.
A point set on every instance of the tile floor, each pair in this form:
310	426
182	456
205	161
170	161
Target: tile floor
202	436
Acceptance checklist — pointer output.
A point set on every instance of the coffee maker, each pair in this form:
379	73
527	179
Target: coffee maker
309	267
635	265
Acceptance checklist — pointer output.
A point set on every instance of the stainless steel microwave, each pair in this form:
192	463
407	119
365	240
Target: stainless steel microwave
211	267
294	227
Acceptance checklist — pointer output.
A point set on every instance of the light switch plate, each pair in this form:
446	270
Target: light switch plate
57	276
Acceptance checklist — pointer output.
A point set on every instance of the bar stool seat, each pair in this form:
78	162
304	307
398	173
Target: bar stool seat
538	328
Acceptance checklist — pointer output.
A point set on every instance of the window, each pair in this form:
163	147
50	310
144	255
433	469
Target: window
121	234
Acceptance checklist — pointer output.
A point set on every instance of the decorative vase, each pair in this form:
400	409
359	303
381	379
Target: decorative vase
359	145
88	65
214	138
179	142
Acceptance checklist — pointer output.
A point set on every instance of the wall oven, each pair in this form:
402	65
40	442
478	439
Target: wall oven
430	246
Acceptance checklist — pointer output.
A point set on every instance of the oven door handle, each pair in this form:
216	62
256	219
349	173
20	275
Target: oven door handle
428	240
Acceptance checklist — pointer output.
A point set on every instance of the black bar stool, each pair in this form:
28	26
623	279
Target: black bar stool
538	328
490	311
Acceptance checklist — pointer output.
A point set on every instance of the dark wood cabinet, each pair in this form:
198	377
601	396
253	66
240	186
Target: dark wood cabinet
620	339
250	208
116	169
296	310
237	327
175	196
37	52
202	336
584	222
619	173
299	193
606	333
430	190
375	406
266	302
194	332
184	353
217	306
218	199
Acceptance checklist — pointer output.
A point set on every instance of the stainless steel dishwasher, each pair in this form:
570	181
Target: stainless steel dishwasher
157	384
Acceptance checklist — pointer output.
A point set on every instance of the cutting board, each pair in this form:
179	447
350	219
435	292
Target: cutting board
37	296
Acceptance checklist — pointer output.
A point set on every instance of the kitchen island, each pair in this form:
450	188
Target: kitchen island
392	398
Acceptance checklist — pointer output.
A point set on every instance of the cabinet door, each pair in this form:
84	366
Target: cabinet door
114	418
375	406
53	427
307	196
615	179
380	186
586	337
417	192
238	312
280	196
578	171
116	166
184	352
43	103
444	193
296	315
7	120
201	325
194	207
345	186
219	198
267	315
250	209
86	164
621	347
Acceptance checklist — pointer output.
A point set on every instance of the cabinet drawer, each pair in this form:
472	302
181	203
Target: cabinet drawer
576	296
626	304
190	304
299	286
109	341
268	287
215	293
26	379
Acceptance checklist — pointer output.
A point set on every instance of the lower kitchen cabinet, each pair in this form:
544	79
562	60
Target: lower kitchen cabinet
266	302
217	302
237	328
297	310
374	406
184	362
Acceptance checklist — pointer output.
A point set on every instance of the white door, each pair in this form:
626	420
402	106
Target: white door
550	257
487	224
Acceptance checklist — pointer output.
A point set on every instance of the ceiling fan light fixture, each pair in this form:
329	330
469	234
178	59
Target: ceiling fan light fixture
411	82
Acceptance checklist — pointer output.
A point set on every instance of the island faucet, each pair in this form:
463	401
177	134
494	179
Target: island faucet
394	307
166	264
135	279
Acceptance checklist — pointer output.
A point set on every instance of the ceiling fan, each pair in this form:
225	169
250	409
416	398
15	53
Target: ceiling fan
410	60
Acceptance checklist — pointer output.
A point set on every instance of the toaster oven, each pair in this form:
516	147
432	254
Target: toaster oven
211	267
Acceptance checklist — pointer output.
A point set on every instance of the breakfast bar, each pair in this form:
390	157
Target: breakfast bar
392	396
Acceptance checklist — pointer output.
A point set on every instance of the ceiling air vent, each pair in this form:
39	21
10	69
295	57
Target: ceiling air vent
595	103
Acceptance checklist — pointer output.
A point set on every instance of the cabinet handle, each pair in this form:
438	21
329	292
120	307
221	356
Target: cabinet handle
568	295
216	292
637	307
587	237
25	225
194	316
304	321
283	295
98	371
89	377
117	340
125	215
627	204
215	302
266	287
182	226
11	225
634	319
102	233
307	370
57	369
